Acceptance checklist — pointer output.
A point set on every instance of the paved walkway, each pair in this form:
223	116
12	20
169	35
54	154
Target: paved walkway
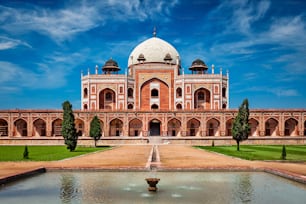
175	157
186	157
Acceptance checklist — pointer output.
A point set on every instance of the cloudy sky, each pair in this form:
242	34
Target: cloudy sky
44	46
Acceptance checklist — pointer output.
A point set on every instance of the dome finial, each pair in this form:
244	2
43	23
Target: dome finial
154	31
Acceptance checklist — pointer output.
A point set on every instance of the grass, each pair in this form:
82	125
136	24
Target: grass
43	153
263	152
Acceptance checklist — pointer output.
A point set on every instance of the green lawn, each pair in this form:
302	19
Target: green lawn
269	152
43	153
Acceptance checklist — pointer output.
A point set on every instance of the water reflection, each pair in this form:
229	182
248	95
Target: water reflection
69	188
244	189
176	187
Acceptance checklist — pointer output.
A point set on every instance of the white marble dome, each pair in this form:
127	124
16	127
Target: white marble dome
154	50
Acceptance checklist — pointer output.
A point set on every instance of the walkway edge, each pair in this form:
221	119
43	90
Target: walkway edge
22	175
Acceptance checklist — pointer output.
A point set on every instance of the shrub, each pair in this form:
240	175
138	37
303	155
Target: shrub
284	153
26	152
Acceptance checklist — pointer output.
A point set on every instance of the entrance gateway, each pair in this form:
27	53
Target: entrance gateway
155	128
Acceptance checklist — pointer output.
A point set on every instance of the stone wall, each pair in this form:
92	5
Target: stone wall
161	140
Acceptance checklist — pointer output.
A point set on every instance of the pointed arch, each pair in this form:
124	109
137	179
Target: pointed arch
39	127
107	99
254	125
213	126
116	127
154	107
154	91
179	92
57	127
85	106
79	126
85	93
291	127
102	127
20	127
130	106
201	99
130	93
135	127
229	125
193	127
3	128
174	127
154	127
271	127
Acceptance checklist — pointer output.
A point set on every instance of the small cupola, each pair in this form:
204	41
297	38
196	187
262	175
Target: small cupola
168	58
141	58
198	67
110	67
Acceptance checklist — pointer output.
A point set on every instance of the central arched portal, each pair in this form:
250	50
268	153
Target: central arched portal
154	127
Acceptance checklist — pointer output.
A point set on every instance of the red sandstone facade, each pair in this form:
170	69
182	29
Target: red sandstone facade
155	98
272	125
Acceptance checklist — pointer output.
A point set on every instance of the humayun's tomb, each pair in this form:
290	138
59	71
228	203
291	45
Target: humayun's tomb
155	99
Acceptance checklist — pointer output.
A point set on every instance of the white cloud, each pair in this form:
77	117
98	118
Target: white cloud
277	91
8	43
79	17
250	76
241	14
51	73
287	31
14	76
283	92
58	24
282	38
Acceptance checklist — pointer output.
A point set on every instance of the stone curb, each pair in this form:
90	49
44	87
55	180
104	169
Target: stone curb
22	175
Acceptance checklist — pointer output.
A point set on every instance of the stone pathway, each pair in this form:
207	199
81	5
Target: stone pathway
136	157
186	157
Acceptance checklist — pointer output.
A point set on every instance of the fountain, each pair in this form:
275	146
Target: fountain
152	183
153	162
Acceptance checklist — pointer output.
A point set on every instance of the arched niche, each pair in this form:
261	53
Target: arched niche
39	127
174	127
213	126
202	99
20	128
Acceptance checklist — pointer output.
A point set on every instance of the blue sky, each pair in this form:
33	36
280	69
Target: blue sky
44	46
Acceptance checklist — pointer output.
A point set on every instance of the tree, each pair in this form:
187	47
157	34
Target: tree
95	129
26	152
68	127
241	127
284	153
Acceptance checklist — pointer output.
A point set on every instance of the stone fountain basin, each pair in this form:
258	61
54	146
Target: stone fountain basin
152	183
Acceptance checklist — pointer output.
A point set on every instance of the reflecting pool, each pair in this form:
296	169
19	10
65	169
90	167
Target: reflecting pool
173	187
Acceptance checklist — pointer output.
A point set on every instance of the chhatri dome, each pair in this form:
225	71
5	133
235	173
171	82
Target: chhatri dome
154	50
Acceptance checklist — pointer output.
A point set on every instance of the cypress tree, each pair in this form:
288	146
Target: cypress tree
26	152
241	127
68	127
284	153
95	129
